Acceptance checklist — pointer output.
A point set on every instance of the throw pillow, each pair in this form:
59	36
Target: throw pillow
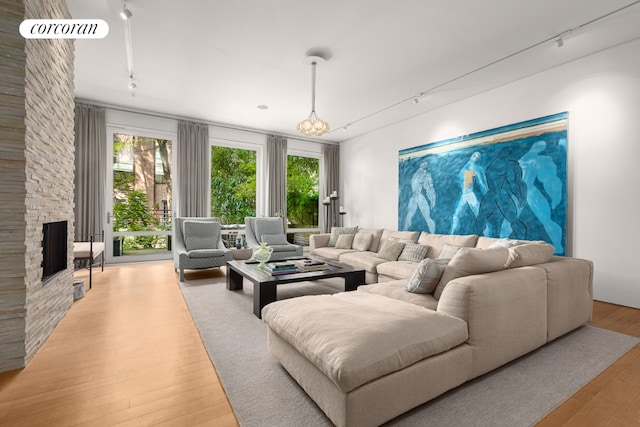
448	251
274	239
201	235
337	231
470	261
391	250
427	276
362	241
506	243
345	241
529	254
413	252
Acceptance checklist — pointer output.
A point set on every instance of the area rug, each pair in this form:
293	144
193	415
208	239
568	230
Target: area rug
263	394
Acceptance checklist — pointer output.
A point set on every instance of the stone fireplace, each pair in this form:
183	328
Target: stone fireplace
36	181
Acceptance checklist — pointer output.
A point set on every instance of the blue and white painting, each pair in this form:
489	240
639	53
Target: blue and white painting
508	182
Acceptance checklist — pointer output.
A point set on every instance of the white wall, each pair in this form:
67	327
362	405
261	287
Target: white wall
602	95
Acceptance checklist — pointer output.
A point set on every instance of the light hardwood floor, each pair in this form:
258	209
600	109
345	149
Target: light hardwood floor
129	354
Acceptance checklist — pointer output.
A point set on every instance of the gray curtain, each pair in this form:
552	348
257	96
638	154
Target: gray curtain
331	158
193	169
90	173
276	175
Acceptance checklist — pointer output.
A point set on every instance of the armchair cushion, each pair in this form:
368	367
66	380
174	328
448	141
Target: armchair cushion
201	235
206	253
274	239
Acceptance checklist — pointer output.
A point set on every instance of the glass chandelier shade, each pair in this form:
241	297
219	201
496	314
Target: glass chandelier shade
313	125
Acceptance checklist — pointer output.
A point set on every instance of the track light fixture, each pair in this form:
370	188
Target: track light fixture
132	85
559	42
125	13
313	125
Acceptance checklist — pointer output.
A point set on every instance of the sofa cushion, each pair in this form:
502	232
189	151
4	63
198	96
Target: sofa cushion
448	251
337	231
391	249
397	289
437	240
469	261
413	252
427	275
529	254
396	270
274	239
368	261
344	241
384	335
362	241
331	253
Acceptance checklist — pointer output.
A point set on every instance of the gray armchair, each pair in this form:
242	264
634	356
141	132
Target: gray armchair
271	231
198	244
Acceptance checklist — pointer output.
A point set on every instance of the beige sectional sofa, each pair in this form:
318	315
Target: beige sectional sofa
368	356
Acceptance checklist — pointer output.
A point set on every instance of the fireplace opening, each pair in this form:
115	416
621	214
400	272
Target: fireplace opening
54	249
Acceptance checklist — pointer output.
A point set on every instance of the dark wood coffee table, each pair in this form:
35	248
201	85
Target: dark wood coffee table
264	284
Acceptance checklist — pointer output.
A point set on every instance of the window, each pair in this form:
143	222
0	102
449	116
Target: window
233	184
302	191
141	197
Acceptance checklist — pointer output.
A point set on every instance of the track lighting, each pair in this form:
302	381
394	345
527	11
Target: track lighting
559	42
125	14
416	100
132	86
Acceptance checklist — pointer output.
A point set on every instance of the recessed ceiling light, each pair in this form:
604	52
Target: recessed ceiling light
263	107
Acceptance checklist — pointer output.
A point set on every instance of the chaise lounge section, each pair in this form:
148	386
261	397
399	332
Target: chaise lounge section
368	356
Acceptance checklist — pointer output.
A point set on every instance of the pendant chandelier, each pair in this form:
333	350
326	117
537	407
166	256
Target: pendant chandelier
313	125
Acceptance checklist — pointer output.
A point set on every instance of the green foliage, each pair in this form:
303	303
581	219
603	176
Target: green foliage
132	213
233	184
302	191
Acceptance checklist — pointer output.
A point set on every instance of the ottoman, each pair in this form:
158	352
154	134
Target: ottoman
365	358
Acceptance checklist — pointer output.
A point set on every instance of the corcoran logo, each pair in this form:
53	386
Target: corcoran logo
64	29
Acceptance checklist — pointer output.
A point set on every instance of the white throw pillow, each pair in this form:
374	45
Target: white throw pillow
362	241
337	231
507	243
344	241
529	254
414	252
427	276
391	250
470	261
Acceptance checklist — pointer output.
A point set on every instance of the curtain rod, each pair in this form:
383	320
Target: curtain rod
210	123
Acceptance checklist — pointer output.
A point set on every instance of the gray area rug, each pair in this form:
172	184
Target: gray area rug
263	394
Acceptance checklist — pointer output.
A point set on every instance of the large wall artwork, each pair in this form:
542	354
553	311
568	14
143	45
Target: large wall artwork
504	182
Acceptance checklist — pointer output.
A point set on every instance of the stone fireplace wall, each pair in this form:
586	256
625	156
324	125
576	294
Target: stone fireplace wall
37	153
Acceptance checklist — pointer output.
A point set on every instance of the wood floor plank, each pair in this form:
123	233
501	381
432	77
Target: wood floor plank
129	354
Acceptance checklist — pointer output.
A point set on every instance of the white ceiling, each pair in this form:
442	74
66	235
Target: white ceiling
217	61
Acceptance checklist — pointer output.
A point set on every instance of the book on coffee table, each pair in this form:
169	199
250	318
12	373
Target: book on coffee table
283	267
308	264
